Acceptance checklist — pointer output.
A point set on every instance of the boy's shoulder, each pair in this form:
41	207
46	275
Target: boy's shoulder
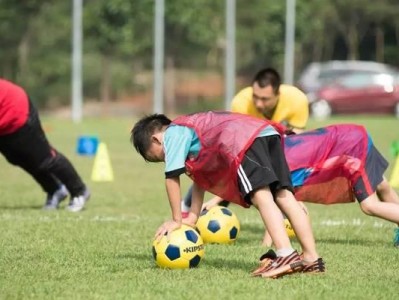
180	131
177	128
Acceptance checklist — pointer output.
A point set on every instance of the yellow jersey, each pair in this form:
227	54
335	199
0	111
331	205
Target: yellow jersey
292	106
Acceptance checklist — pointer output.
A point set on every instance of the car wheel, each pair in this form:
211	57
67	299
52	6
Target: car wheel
321	109
397	110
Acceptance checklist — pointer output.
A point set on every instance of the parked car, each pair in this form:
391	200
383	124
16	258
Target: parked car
317	75
358	93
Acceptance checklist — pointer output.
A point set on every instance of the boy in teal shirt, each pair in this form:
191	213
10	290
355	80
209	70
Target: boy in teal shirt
236	157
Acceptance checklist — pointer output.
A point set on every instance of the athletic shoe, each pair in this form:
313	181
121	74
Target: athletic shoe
282	266
53	200
396	237
77	203
315	267
264	262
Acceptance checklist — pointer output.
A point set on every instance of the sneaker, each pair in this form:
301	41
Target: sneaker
77	203
53	200
396	237
317	266
282	266
264	262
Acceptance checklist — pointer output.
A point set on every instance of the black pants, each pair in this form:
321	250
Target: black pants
29	149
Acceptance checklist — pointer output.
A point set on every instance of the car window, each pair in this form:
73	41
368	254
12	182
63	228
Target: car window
356	81
362	80
326	75
383	79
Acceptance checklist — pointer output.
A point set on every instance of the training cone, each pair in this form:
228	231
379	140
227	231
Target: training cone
102	169
394	181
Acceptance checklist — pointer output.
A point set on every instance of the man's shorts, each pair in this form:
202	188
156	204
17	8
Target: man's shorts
374	171
264	165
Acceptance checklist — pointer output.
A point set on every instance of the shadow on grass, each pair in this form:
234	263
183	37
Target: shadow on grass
250	240
228	263
352	242
214	262
135	256
21	207
143	261
253	228
250	234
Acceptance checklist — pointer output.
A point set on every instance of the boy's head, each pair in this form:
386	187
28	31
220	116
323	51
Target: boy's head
147	137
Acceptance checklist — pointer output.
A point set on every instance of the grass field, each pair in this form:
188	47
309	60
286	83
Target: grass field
105	251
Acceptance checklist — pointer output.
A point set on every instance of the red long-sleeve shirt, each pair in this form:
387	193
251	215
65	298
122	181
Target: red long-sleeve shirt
14	107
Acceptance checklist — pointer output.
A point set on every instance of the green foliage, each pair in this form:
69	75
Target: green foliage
35	39
105	251
260	34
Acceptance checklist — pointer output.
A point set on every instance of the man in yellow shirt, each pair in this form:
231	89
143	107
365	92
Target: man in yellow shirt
268	98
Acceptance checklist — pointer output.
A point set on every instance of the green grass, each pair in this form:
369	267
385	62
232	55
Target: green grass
105	251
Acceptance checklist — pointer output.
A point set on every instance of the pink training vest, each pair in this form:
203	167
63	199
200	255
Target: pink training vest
335	158
224	138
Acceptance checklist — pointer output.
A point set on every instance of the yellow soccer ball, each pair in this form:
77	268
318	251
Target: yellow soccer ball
184	250
289	229
219	225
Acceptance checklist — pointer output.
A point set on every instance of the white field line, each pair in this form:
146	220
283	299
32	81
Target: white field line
57	218
373	222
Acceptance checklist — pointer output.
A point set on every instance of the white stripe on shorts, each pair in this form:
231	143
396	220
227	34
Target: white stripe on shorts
244	179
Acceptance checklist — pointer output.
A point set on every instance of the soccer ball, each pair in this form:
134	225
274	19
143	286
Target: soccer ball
218	225
288	228
185	249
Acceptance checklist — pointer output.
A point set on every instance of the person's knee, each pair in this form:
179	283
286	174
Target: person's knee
48	163
368	206
285	198
261	196
383	187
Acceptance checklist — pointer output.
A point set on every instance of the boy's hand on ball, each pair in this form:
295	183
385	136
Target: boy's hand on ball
191	220
165	229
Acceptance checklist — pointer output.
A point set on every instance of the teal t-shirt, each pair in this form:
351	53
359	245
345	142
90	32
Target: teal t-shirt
179	142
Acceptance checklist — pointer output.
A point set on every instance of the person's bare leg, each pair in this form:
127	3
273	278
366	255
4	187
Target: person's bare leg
372	206
300	222
267	239
303	206
386	193
272	217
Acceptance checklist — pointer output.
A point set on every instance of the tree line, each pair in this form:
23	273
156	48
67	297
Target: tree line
35	40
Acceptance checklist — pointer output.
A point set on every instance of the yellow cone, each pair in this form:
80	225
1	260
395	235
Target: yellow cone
395	174
102	169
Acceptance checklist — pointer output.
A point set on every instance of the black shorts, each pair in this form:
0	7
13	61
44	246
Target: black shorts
375	168
264	165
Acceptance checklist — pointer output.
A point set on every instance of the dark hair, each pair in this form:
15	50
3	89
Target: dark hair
143	130
268	76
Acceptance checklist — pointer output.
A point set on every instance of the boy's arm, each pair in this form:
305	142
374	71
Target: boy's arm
196	205
173	191
176	146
